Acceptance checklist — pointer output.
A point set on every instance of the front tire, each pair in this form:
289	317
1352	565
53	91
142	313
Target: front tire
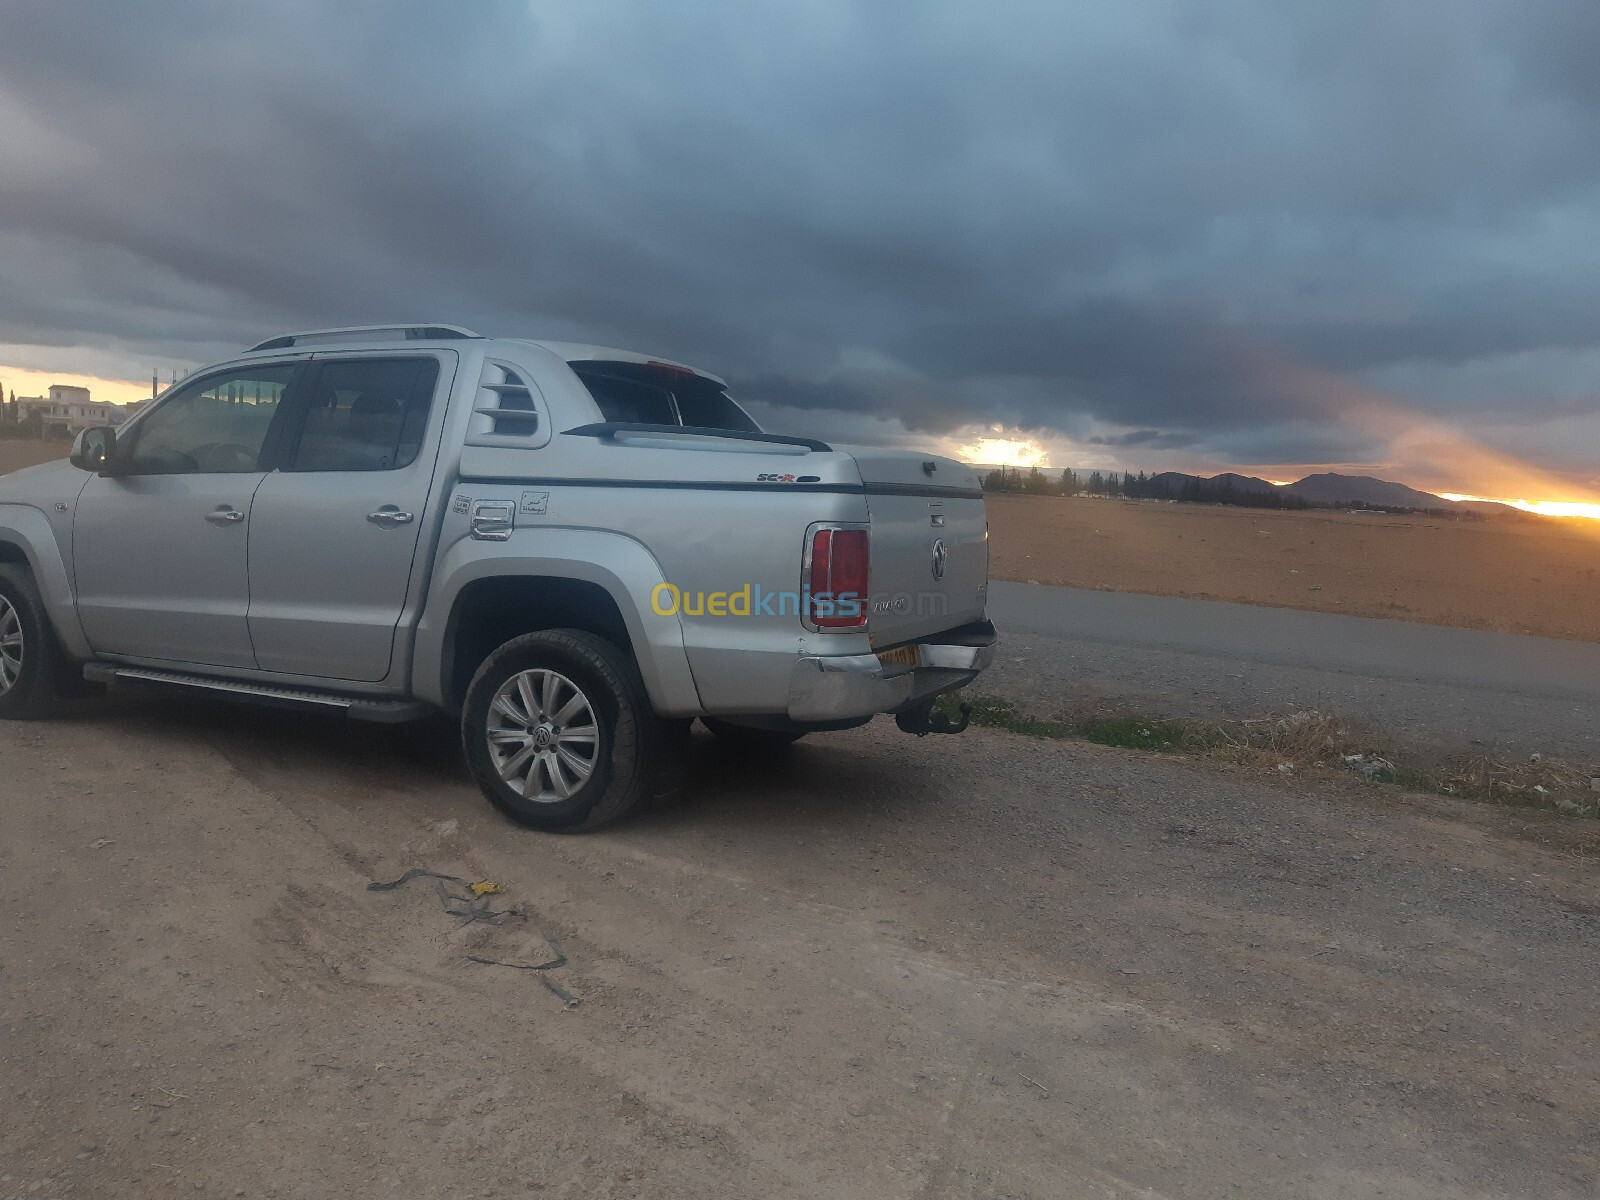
558	731
30	660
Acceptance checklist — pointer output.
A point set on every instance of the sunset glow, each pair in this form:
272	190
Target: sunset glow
1545	508
24	382
1005	452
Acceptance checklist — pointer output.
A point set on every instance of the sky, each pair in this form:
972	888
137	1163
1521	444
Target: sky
1150	234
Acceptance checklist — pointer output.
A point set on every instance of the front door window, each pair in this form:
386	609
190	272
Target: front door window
217	425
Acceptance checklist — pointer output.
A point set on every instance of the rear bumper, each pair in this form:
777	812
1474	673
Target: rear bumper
840	687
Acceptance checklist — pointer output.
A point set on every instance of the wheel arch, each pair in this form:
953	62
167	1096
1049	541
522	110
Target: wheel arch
27	539
592	582
490	611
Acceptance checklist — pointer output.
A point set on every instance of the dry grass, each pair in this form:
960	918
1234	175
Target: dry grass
1517	574
16	453
1538	783
1308	742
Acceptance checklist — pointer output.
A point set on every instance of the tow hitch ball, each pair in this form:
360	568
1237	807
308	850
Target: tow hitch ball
921	720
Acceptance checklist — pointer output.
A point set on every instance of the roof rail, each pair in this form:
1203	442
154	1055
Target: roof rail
409	333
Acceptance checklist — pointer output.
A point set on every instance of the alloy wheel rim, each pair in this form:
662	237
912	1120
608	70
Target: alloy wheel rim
543	737
11	645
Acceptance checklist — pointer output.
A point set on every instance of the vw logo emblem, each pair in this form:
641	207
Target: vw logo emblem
940	556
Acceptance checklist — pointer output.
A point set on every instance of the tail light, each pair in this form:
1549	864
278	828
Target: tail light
836	579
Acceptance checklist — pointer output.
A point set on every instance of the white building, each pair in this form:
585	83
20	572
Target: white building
68	408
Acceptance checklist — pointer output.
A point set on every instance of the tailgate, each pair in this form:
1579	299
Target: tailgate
930	550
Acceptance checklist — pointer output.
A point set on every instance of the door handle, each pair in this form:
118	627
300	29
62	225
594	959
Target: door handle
225	516
389	518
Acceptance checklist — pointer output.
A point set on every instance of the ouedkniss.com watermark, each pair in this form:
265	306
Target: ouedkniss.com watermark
753	600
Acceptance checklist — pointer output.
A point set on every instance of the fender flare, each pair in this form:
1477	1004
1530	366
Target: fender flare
618	564
28	529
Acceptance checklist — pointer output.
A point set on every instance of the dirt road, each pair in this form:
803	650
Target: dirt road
16	454
965	967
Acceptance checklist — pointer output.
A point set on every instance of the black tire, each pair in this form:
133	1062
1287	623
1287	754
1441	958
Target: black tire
623	763
745	740
29	689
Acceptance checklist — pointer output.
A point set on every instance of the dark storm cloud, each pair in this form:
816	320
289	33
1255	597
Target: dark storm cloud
1148	439
1299	443
1101	219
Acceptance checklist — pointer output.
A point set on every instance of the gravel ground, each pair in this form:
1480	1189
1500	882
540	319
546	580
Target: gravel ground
956	967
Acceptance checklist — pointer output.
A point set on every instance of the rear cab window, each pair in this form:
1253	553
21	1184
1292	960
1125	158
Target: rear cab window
659	394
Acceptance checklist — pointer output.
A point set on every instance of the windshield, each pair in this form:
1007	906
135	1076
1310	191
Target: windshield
657	394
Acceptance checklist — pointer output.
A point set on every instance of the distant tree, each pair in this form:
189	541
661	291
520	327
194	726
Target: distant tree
1096	485
1006	479
1070	483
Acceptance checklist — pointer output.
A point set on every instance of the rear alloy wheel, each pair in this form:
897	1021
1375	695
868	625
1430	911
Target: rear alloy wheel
559	733
543	737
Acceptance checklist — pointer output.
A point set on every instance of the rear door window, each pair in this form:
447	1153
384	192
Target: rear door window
365	415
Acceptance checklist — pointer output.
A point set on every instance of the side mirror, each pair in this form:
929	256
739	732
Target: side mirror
93	449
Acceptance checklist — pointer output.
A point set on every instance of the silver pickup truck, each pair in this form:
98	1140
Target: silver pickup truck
575	550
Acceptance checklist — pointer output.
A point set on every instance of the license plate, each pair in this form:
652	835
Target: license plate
900	656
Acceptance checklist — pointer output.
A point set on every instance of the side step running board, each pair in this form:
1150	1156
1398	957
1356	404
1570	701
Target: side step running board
357	708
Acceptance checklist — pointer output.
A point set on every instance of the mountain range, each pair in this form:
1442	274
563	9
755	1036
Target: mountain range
1329	487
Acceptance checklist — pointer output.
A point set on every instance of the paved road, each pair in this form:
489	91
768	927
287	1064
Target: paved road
1512	694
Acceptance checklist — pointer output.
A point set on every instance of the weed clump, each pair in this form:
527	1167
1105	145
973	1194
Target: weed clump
1311	740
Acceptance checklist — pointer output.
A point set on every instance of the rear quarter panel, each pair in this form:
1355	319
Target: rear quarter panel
692	541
